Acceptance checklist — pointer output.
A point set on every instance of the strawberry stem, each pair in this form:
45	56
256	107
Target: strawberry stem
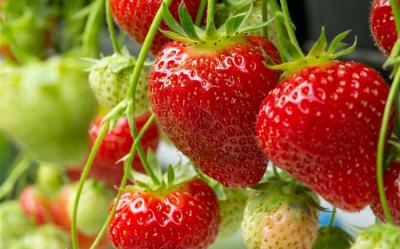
92	29
200	13
396	14
290	27
84	175
394	90
332	219
127	165
278	26
264	9
18	169
111	29
210	27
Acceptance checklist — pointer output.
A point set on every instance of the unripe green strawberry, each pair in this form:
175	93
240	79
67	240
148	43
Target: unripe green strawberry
49	179
282	215
378	237
333	238
13	223
46	108
43	237
93	206
231	212
110	77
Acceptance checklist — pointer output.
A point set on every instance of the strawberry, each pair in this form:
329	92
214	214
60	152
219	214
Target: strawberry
35	206
392	190
282	214
13	223
126	13
231	211
44	237
49	179
176	210
206	94
109	78
93	207
333	238
377	237
107	166
313	125
382	25
46	109
92	211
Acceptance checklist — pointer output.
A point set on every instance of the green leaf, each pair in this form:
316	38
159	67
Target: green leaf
319	47
233	23
170	176
154	164
337	42
187	22
170	20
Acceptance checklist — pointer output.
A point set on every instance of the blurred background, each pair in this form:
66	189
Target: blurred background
309	16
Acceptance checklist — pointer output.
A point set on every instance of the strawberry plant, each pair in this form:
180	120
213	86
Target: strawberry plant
234	92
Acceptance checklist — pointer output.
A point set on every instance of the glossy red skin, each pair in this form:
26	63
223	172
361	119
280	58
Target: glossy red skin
136	16
60	218
321	124
392	190
207	103
35	206
117	144
383	26
187	217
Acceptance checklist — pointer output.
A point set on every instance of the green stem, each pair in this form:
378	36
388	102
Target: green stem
332	219
111	30
200	13
396	14
141	153
22	164
289	26
397	124
124	180
92	29
278	26
382	143
210	12
264	8
84	175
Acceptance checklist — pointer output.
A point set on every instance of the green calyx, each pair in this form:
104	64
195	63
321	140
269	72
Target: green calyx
333	238
385	236
275	192
174	177
116	62
320	53
186	31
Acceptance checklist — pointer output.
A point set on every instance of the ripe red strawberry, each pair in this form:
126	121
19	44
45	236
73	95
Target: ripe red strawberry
321	124
382	25
117	144
392	190
183	216
35	206
206	94
136	16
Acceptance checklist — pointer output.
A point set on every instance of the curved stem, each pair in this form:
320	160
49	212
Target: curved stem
210	13
124	180
84	175
200	13
396	14
278	26
111	29
382	142
289	26
264	8
92	29
332	219
21	165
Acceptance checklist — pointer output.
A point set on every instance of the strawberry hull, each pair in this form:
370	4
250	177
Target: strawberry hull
207	99
321	124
